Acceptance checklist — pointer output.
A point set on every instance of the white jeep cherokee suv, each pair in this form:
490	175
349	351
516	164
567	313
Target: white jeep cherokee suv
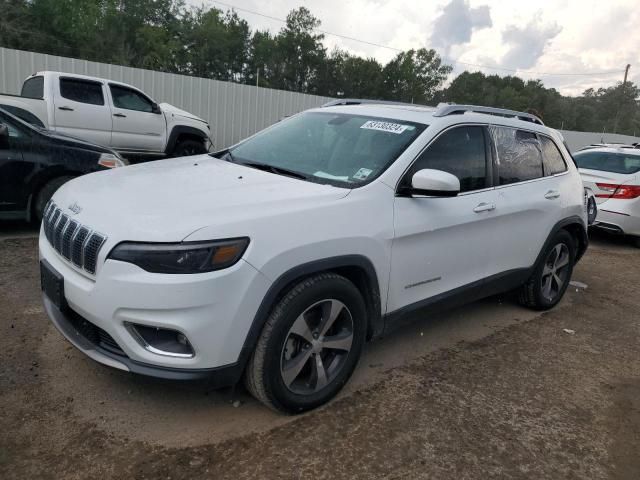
275	260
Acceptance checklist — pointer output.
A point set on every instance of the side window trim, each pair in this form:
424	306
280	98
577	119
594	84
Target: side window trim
490	184
82	80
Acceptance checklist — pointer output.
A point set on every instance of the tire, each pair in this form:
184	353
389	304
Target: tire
537	293
186	148
45	194
291	339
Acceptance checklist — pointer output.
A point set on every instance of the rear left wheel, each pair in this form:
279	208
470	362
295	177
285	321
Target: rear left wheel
550	279
309	346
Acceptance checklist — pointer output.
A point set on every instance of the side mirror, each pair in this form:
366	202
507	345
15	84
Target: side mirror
433	183
155	108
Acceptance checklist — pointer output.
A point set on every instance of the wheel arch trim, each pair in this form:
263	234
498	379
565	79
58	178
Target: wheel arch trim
338	264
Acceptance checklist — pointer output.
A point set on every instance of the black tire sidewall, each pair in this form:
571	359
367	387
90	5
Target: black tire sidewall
330	288
560	237
178	151
45	194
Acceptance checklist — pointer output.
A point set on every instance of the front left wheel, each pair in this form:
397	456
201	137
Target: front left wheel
186	148
309	346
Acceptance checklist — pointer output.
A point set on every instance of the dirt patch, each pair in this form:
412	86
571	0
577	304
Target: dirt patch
490	390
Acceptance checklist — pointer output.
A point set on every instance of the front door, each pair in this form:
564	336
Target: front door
14	172
441	244
135	124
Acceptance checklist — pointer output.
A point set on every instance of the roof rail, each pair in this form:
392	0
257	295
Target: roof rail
446	109
360	101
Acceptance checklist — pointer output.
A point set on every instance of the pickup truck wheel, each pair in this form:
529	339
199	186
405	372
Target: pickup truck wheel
551	277
309	346
187	148
45	194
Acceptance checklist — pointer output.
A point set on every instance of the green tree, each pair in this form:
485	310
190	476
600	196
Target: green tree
414	76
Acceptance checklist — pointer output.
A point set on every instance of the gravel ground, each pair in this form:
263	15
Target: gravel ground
489	391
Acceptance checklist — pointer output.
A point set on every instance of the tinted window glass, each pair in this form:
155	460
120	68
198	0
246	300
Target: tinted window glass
519	156
129	99
461	152
15	130
608	162
551	156
81	91
33	88
334	148
23	115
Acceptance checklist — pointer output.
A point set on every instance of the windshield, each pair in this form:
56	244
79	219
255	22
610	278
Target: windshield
608	162
335	148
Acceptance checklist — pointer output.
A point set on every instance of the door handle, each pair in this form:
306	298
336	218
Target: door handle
67	109
121	115
484	207
552	194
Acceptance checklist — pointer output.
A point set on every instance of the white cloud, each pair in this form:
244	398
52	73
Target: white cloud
527	44
457	22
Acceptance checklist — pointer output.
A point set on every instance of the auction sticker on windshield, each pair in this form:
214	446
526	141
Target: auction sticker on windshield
385	126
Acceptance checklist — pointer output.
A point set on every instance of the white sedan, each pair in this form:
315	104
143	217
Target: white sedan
612	173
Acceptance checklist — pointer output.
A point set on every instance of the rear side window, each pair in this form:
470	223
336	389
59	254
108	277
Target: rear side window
518	155
130	99
22	114
608	162
460	151
83	91
33	88
551	157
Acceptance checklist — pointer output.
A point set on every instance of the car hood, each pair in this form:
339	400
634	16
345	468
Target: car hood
170	109
167	200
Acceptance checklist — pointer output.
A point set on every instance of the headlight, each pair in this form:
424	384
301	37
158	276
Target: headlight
112	161
186	257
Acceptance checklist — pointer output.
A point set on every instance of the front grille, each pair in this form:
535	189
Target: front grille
94	334
75	242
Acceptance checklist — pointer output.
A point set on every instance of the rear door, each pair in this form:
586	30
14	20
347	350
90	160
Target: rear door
81	109
135	124
441	244
528	203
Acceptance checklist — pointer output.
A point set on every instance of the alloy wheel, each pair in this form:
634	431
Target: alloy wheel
317	346
555	271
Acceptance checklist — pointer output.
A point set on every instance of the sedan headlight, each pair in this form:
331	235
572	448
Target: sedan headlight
186	257
110	160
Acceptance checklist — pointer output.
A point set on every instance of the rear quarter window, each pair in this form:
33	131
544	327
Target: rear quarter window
551	157
23	114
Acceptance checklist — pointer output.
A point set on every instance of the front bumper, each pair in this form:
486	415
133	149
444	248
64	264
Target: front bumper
213	310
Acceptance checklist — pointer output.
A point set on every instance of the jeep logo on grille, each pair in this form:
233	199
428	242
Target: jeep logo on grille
75	208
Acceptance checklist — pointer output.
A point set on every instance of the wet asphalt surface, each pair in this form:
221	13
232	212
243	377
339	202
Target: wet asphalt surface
490	390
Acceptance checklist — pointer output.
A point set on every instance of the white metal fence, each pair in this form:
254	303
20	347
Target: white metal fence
234	111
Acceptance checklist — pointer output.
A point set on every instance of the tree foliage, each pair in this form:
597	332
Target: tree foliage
169	36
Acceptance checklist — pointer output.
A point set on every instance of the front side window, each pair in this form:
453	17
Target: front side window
460	151
33	88
130	99
82	91
551	157
15	130
608	162
519	155
336	148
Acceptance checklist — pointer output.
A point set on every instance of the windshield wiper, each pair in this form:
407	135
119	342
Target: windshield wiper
277	170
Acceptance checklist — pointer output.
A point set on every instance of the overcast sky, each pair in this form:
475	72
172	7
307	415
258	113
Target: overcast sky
543	36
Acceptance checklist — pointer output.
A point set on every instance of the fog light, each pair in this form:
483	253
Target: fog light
161	341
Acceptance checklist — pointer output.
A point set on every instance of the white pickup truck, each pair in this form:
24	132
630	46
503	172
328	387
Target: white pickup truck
108	113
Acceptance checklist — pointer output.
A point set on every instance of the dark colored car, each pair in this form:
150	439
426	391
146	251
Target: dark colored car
35	162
